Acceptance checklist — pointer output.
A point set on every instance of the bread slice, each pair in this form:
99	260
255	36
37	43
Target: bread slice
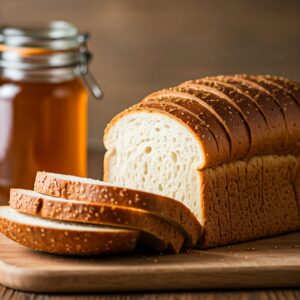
205	140
184	109
155	152
253	117
232	119
91	190
191	94
191	120
267	107
291	111
64	237
204	114
292	87
289	108
156	233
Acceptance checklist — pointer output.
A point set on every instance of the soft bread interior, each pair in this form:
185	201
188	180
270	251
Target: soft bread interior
17	217
152	151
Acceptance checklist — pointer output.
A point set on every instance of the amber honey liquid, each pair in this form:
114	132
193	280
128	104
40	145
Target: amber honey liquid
42	127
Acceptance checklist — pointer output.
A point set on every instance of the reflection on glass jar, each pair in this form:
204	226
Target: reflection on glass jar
43	109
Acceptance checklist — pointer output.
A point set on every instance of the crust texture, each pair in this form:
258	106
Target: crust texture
155	232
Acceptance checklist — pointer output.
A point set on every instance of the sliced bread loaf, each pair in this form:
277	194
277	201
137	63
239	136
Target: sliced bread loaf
65	237
156	233
248	198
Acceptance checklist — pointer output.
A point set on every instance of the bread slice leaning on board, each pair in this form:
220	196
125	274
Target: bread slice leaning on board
156	233
227	147
99	192
65	237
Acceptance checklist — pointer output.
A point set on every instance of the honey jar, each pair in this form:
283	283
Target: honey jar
43	103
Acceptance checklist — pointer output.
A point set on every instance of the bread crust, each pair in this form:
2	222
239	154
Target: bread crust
290	110
155	232
260	142
250	199
232	119
292	87
167	208
248	109
69	242
268	108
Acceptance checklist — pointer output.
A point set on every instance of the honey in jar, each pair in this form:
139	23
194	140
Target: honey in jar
43	103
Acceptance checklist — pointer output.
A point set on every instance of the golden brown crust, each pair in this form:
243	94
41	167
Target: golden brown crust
232	119
69	242
292	87
268	108
156	233
259	135
204	115
167	208
290	109
297	189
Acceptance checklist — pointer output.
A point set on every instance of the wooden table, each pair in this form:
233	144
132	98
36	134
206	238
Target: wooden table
280	294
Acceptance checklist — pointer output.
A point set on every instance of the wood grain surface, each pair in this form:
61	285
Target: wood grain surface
278	294
265	263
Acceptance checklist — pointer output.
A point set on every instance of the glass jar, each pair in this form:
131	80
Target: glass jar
43	103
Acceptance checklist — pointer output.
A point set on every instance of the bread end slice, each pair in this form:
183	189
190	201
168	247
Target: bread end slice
63	237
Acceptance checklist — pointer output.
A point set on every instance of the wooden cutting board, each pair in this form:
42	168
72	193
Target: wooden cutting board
273	262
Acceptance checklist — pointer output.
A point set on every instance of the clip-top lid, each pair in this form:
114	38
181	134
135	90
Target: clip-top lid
56	44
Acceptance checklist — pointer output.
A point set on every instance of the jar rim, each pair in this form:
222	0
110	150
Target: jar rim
55	44
54	35
52	45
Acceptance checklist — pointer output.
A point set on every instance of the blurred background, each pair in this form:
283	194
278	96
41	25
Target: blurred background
140	46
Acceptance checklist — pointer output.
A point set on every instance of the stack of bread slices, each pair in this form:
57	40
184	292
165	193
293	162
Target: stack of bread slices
80	216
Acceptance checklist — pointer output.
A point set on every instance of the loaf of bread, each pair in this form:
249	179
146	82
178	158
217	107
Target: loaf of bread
227	147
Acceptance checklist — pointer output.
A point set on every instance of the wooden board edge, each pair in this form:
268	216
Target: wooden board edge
116	281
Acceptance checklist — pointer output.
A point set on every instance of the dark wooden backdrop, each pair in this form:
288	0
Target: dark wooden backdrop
143	45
